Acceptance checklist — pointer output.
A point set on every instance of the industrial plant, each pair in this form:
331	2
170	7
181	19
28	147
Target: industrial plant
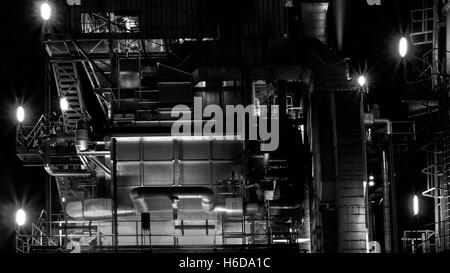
187	126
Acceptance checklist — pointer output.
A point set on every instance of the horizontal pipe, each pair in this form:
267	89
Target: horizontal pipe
96	209
138	196
284	206
95	153
66	173
386	122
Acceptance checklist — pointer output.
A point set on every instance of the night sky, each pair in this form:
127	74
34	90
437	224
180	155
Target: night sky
371	34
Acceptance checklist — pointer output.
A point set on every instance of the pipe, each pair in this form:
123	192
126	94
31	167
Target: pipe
114	192
390	225
283	206
66	173
100	164
95	153
386	208
386	122
138	196
95	209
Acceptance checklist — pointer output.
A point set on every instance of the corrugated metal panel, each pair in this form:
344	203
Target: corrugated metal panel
314	18
351	173
200	18
166	162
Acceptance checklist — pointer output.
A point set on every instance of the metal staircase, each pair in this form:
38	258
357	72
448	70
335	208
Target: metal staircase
69	87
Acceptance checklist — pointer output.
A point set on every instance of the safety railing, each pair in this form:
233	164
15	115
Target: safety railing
404	132
78	236
28	136
40	236
419	241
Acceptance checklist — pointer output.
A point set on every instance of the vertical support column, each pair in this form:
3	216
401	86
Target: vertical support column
435	64
433	159
114	191
393	195
47	110
307	218
386	205
351	172
447	24
48	197
282	95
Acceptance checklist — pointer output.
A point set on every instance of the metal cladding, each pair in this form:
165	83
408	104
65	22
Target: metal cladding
339	184
199	18
139	196
351	173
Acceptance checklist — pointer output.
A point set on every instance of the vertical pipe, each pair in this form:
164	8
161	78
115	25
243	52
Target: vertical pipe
447	24
114	191
393	194
435	64
386	208
282	95
307	223
16	239
49	198
47	106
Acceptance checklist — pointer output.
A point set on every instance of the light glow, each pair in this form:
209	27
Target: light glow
64	104
20	114
46	11
416	205
362	81
21	217
303	240
403	47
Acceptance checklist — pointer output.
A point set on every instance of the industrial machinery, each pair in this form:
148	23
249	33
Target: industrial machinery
122	74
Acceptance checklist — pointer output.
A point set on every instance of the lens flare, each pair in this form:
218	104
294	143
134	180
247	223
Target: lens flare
46	11
20	114
403	47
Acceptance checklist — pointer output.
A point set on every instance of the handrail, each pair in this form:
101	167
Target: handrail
31	139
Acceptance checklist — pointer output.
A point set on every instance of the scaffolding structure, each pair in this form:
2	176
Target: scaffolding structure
426	27
75	236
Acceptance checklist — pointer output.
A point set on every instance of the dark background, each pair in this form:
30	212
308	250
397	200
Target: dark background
371	35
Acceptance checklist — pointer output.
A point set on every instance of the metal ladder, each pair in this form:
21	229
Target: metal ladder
438	188
69	87
445	200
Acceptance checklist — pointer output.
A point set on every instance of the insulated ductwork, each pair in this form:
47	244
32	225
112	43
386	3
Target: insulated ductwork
370	121
95	209
82	136
139	196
